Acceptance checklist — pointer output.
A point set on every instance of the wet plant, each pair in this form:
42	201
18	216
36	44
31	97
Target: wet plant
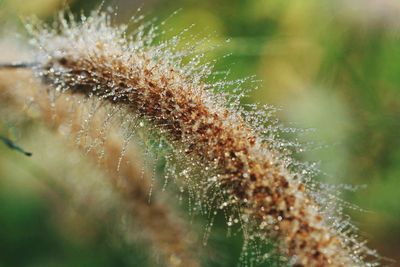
102	143
228	157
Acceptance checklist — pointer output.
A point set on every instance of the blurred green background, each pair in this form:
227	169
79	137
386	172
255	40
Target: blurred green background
329	65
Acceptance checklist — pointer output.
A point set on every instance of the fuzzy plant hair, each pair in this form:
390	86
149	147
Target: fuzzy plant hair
229	157
103	144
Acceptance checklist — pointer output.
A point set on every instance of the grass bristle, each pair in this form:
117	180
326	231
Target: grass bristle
229	159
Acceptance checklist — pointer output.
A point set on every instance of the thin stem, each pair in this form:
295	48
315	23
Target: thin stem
17	65
13	146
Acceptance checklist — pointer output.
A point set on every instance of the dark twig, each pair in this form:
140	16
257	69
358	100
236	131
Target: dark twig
19	65
13	146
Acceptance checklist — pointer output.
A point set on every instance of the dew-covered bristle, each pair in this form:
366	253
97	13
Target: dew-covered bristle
96	129
229	158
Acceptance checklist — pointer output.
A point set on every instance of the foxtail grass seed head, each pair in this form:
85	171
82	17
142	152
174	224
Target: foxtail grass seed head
92	128
231	159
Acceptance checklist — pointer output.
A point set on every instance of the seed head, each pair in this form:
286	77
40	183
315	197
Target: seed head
95	59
